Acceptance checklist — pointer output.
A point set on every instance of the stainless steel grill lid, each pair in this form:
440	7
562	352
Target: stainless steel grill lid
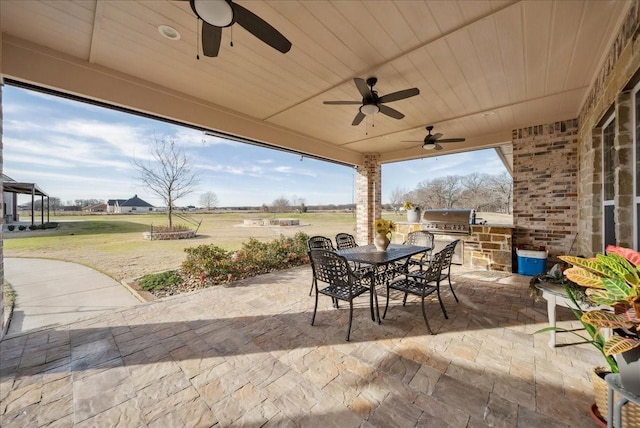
447	220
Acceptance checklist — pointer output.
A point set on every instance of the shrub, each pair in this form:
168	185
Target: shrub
11	227
175	228
214	264
51	225
32	227
22	227
208	262
158	281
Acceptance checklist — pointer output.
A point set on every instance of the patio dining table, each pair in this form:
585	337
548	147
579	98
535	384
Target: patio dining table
382	263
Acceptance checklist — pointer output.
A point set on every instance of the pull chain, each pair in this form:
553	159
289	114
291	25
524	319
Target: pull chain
197	40
231	42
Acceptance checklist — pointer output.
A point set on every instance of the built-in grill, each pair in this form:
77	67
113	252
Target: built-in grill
447	225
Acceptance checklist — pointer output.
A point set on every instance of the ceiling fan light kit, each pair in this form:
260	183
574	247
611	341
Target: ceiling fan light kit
369	109
216	12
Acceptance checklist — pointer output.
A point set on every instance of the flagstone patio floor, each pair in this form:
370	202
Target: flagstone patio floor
246	355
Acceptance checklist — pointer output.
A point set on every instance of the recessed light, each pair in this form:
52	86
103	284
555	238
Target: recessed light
487	114
169	32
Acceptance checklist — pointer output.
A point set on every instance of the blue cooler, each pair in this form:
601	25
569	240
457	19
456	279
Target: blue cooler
531	262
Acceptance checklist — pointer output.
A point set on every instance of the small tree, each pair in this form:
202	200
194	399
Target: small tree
209	200
168	173
397	198
280	205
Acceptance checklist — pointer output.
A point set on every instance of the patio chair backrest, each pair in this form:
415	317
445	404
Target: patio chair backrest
331	268
420	237
434	269
450	249
320	243
345	240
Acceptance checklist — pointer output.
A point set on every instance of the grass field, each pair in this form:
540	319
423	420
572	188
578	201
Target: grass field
113	244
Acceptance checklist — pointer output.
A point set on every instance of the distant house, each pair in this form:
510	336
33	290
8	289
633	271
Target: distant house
96	208
133	205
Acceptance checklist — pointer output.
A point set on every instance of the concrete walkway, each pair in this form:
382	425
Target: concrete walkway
51	292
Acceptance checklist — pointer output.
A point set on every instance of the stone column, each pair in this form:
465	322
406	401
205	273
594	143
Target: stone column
368	197
623	173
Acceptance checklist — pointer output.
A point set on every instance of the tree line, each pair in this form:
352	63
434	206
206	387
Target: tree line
482	192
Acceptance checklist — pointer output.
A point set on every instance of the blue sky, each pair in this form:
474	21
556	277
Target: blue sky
75	150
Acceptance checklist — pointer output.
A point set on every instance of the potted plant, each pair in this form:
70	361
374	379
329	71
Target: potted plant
577	295
613	281
413	212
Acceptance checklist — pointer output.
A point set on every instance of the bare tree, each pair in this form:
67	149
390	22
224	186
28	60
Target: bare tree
476	193
209	200
168	173
502	185
280	204
397	198
442	192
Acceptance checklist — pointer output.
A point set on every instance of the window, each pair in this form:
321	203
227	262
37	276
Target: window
636	172
608	179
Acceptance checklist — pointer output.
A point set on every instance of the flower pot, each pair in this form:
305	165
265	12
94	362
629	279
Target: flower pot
413	215
629	366
630	411
381	242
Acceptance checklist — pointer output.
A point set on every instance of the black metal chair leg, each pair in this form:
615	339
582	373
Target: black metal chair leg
313	283
350	319
444	311
315	308
453	292
386	306
404	301
424	315
373	316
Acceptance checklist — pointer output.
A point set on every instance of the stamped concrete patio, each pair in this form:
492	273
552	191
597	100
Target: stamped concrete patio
246	355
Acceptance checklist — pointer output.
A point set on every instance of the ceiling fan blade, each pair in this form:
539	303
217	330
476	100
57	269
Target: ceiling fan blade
342	103
211	37
437	147
390	112
452	140
362	87
435	137
260	28
400	95
359	117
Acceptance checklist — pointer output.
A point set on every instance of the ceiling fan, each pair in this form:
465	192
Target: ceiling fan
219	14
431	142
371	103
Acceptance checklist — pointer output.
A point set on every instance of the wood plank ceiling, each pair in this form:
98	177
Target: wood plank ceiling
483	68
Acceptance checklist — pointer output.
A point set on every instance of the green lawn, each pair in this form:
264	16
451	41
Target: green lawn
114	245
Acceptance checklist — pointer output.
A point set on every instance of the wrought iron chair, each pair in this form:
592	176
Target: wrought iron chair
318	243
421	283
345	240
446	265
425	239
342	283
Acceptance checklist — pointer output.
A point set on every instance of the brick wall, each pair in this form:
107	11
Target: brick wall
368	194
545	186
609	93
